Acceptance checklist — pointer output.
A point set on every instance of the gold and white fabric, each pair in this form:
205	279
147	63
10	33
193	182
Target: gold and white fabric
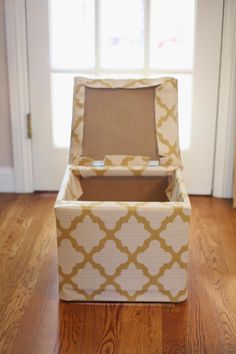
166	120
121	250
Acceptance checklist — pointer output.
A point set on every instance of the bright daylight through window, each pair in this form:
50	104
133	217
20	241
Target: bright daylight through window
126	38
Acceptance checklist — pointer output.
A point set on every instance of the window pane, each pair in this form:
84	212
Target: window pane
72	34
62	101
122	28
172	33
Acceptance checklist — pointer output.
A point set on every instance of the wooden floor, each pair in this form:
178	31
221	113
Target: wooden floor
33	321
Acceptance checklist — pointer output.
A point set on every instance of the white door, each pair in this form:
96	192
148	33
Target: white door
136	37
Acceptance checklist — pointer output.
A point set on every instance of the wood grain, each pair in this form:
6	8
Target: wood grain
34	321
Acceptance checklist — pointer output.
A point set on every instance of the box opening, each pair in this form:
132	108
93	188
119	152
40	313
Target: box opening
124	189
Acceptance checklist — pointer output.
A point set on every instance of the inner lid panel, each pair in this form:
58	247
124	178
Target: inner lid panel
138	189
119	122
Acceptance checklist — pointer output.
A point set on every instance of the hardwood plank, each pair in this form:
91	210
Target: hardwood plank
209	268
102	328
199	317
40	335
143	323
27	245
174	327
153	329
107	329
34	321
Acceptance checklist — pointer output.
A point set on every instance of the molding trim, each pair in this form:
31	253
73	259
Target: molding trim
7	183
224	154
197	190
19	93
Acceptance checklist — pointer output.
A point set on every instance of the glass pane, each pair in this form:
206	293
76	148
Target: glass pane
172	33
122	28
62	101
72	34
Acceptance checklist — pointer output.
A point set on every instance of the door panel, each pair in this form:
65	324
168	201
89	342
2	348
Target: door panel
201	84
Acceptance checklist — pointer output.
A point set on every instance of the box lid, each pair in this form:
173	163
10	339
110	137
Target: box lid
125	117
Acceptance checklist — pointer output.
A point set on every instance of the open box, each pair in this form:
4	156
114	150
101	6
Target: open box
122	211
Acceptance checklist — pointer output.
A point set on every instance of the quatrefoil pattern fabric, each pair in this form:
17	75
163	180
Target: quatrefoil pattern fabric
166	117
123	251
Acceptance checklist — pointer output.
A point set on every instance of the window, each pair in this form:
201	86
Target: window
120	38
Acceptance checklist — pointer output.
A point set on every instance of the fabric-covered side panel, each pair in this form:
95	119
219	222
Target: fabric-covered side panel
123	251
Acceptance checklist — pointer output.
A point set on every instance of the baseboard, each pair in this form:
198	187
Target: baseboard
7	183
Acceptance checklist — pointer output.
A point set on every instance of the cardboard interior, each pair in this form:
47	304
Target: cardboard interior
119	122
128	188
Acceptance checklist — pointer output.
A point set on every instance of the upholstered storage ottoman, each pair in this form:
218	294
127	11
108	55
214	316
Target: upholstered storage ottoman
122	211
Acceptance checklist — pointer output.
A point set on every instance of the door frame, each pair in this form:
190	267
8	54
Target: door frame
16	37
225	130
